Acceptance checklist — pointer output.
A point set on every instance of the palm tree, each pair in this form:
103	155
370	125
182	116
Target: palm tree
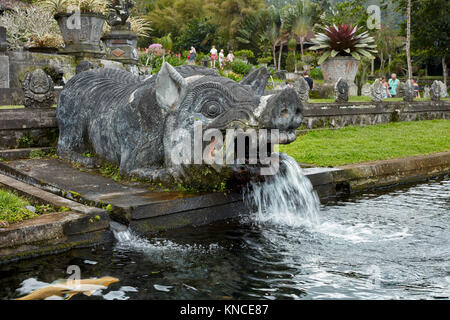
408	38
272	34
303	23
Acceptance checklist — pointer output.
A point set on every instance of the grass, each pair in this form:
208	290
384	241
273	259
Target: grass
367	99
12	107
355	144
13	208
19	106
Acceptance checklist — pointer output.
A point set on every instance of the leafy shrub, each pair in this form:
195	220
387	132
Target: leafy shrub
290	62
31	27
244	54
265	60
316	73
239	66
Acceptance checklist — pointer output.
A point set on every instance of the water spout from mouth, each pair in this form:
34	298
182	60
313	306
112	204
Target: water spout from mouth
287	198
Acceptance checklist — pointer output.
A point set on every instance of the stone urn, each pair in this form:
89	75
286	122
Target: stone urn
344	67
81	36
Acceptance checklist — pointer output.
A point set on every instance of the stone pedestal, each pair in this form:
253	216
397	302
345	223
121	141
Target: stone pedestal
341	67
4	60
121	45
4	71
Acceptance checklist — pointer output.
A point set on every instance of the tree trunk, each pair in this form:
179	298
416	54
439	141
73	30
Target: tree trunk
295	64
274	52
389	63
408	39
302	41
444	70
279	56
381	62
372	66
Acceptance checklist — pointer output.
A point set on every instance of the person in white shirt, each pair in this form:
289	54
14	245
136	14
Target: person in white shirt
221	58
213	56
230	56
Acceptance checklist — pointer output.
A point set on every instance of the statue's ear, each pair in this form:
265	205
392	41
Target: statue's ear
170	87
257	79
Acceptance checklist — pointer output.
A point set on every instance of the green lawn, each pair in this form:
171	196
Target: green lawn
11	107
356	144
367	99
20	106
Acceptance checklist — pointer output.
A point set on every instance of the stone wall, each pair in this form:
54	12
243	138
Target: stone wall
20	62
23	128
337	115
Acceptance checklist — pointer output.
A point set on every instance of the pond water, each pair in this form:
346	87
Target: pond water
393	244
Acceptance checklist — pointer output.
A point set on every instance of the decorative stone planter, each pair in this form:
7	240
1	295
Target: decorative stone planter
344	67
84	39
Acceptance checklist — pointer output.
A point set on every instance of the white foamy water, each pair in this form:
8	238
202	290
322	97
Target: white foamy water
288	198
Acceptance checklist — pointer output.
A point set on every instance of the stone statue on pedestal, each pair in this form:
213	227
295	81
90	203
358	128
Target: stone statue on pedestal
376	91
38	90
341	90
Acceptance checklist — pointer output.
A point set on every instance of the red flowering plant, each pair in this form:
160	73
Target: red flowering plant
344	39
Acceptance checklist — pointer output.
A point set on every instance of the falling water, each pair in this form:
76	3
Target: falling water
287	198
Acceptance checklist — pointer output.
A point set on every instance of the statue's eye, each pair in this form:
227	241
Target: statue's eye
211	110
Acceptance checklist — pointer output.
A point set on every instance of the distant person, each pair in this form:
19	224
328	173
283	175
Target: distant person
308	79
386	93
288	84
393	84
221	58
192	56
213	56
230	56
416	88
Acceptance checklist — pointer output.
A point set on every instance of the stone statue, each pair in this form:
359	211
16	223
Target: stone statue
119	12
426	92
303	90
38	90
84	65
436	91
408	91
365	90
257	79
443	89
341	90
377	91
138	123
400	90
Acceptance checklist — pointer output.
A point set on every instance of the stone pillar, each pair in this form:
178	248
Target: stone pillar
4	60
121	46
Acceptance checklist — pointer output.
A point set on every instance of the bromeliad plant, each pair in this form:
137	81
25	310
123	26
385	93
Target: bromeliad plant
344	39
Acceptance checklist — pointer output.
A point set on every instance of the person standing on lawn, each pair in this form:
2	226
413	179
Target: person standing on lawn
213	56
416	88
386	93
192	56
230	56
308	79
221	58
393	84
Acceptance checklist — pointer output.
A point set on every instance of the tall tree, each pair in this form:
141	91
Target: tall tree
408	38
306	16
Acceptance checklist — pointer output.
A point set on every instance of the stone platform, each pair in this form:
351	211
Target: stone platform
133	203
